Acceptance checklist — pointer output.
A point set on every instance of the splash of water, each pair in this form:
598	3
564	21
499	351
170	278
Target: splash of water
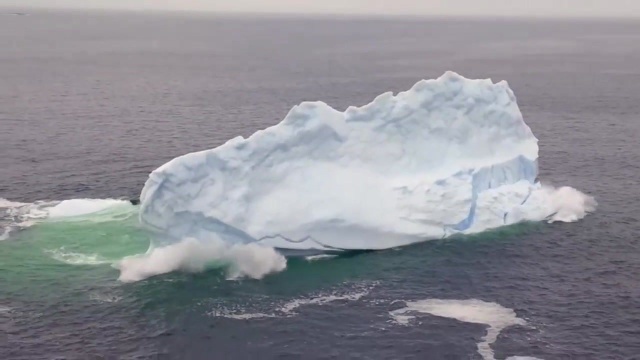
191	255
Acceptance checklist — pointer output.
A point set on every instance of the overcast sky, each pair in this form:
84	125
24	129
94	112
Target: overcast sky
563	8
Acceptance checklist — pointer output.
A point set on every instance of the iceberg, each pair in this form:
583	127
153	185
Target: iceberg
450	155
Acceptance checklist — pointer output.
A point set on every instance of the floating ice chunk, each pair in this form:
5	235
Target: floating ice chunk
450	155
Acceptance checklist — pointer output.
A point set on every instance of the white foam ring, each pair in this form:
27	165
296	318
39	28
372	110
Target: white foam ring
495	316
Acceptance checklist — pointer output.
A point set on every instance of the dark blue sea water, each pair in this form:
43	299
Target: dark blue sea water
91	102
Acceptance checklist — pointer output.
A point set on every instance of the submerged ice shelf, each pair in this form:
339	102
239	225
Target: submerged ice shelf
450	155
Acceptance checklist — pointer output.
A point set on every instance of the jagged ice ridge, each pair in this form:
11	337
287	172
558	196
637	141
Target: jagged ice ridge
450	155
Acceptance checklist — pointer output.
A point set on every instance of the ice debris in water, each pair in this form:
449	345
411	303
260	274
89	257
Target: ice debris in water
450	155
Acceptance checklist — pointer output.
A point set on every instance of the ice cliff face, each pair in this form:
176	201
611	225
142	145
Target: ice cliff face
450	155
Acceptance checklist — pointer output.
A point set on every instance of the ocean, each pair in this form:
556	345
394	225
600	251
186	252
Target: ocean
92	102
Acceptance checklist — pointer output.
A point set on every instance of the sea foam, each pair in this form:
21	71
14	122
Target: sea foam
495	316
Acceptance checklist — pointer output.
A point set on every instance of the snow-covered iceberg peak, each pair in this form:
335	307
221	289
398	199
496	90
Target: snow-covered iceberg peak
449	155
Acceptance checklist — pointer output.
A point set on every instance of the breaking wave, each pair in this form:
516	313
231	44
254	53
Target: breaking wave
191	255
15	216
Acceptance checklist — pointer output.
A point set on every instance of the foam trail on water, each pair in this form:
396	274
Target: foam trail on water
289	308
75	258
191	255
474	311
5	233
104	298
79	207
319	257
17	215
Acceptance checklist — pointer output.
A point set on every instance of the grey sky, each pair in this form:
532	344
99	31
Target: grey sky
563	8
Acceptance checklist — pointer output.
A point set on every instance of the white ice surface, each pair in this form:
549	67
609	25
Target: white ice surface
16	215
450	155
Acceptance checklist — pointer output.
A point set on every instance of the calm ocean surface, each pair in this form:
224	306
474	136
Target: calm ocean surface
92	102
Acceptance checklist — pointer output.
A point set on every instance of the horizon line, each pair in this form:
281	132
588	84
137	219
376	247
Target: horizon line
322	14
